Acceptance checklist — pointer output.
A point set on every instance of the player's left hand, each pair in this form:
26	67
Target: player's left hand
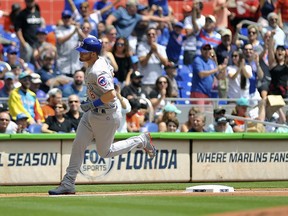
86	106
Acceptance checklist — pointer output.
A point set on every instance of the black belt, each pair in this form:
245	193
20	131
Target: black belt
99	110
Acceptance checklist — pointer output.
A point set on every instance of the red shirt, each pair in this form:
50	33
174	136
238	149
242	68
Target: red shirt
282	6
242	12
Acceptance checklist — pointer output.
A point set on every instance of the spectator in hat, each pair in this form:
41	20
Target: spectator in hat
40	46
54	97
77	86
35	87
51	77
169	111
134	89
10	19
175	42
205	71
208	34
23	100
22	124
14	61
67	36
221	123
26	31
8	85
171	73
240	110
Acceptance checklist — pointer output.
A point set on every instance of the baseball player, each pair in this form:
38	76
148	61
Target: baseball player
100	120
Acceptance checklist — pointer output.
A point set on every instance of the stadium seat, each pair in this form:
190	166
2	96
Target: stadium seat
34	128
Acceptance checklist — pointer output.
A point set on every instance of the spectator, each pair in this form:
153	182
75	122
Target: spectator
171	73
132	117
123	107
51	77
57	123
138	35
172	125
86	29
134	89
101	28
40	46
122	55
163	4
4	121
282	9
54	97
151	56
220	122
14	61
67	36
77	86
10	20
175	42
188	124
266	7
23	100
100	4
240	110
162	90
221	13
107	54
74	115
35	87
8	85
12	126
192	26
125	19
170	111
239	74
279	36
198	125
22	124
111	34
278	69
208	35
26	29
204	73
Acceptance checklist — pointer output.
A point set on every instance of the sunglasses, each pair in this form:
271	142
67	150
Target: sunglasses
120	44
234	56
252	32
206	49
73	101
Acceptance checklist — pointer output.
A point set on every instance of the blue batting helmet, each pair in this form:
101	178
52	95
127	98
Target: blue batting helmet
90	44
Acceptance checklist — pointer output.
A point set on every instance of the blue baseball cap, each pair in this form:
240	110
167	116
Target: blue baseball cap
66	14
21	116
172	108
23	75
179	24
116	81
2	67
42	31
12	49
242	102
9	75
90	44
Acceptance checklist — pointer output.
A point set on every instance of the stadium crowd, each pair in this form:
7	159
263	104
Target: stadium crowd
240	55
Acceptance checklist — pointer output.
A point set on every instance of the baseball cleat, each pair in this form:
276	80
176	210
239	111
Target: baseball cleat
148	145
62	190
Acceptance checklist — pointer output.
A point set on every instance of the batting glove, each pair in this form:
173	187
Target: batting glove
86	106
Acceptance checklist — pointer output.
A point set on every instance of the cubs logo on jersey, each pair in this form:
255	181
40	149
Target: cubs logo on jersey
102	81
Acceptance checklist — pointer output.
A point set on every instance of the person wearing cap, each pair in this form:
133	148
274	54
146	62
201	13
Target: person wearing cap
240	110
77	86
125	19
41	46
152	56
205	71
221	123
22	124
208	34
279	36
175	42
100	120
192	26
278	69
14	61
134	89
171	73
26	31
67	36
54	97
35	87
169	111
9	79
23	100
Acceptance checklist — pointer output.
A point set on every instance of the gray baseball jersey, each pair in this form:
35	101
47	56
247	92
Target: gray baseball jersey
100	124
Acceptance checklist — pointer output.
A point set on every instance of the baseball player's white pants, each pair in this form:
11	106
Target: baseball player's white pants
102	128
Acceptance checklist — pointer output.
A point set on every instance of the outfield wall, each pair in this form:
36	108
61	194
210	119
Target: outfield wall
33	159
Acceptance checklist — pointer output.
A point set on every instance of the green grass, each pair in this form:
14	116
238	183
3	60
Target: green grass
139	205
